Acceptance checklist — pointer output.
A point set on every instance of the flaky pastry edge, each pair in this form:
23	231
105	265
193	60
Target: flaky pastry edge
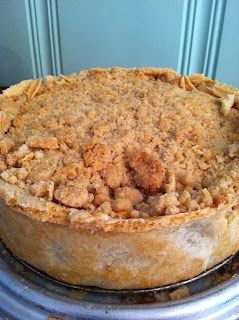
46	211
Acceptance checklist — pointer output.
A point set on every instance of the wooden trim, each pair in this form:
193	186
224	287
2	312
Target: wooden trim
214	37
187	34
44	38
33	32
201	36
56	58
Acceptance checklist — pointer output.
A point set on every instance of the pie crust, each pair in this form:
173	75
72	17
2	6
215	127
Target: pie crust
120	178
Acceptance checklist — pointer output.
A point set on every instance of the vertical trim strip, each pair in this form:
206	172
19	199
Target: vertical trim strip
55	46
214	37
201	36
33	30
44	38
187	33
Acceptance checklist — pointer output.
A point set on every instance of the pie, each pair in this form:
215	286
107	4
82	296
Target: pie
120	178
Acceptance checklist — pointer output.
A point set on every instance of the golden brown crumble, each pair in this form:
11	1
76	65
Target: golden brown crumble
123	143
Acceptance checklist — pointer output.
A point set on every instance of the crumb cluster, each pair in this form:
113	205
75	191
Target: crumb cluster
123	143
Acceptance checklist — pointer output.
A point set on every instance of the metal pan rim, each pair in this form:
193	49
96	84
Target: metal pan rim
227	288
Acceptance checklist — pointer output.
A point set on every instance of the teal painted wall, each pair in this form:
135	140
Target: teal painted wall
126	33
40	37
15	57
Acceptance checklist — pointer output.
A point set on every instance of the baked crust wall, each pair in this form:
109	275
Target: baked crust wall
119	260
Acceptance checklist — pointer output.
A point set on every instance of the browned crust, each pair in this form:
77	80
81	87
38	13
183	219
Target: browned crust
196	81
50	212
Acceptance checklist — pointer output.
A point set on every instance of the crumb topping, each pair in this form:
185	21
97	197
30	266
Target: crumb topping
122	143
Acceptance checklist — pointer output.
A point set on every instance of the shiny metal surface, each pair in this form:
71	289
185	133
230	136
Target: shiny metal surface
27	295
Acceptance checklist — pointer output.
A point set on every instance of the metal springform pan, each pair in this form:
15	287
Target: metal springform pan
27	294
